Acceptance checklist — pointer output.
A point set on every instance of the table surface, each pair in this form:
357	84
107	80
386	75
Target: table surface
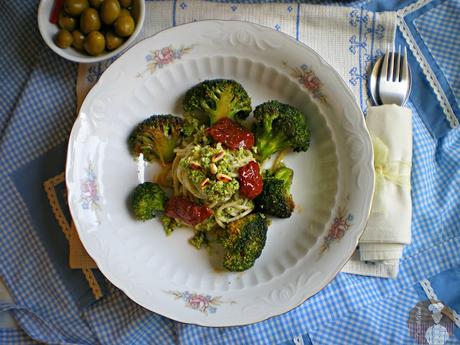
37	110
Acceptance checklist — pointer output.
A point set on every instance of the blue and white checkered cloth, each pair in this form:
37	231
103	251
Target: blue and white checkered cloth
440	39
53	304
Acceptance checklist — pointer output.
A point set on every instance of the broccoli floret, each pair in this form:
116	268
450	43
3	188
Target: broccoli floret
199	240
169	224
279	126
157	137
244	240
276	198
212	100
195	131
147	198
207	225
192	126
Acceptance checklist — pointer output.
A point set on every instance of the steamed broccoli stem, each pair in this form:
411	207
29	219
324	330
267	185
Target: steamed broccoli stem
147	198
154	142
223	105
278	162
226	105
279	126
269	144
285	174
157	137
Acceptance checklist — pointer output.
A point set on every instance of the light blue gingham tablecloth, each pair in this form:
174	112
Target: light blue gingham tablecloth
51	303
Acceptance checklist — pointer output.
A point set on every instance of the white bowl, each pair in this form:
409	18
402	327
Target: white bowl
48	30
332	187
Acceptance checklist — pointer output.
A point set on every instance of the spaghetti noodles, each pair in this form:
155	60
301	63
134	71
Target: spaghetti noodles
209	174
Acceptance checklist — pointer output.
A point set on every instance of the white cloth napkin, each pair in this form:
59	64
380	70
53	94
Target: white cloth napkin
389	225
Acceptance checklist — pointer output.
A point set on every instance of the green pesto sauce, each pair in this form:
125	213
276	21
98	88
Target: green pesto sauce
217	191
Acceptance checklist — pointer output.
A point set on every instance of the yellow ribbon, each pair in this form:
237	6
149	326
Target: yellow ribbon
397	172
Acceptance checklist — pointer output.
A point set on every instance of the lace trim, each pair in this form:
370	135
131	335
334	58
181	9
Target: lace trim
431	77
55	207
426	286
92	282
439	306
412	7
65	227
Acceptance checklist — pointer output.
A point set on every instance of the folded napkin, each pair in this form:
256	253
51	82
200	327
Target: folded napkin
389	226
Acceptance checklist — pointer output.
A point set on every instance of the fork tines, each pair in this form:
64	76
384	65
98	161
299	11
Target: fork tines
395	68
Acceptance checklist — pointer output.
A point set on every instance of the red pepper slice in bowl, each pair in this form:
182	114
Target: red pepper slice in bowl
231	134
185	210
250	180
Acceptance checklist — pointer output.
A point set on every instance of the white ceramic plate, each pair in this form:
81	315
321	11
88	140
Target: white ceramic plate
333	181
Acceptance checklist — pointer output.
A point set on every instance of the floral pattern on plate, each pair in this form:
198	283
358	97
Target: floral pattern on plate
161	57
342	222
203	303
308	79
89	191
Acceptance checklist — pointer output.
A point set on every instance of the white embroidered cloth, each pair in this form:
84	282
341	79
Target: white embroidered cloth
389	225
346	38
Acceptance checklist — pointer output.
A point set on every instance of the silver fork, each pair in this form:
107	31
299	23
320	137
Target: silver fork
394	80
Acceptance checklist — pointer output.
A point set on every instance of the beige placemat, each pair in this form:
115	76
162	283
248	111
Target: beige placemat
78	256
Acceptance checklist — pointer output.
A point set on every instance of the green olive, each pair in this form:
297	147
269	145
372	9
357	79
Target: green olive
113	41
66	22
63	39
94	43
78	40
124	26
75	7
95	3
124	12
125	3
110	9
90	21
